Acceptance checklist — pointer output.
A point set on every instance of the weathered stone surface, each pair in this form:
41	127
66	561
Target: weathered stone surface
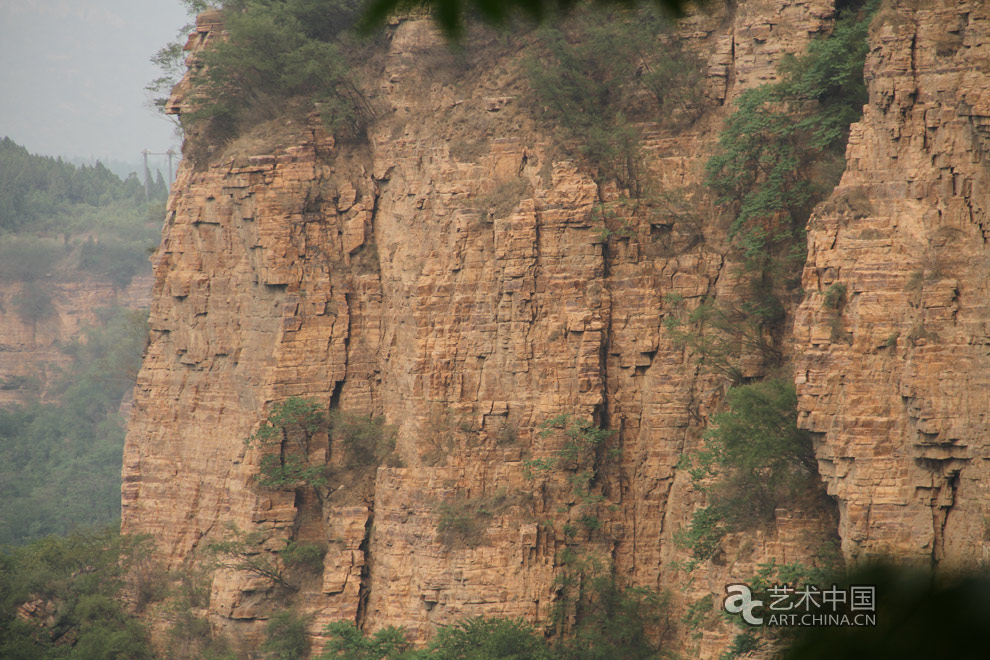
896	386
453	276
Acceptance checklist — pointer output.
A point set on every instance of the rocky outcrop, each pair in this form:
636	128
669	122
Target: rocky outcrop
895	382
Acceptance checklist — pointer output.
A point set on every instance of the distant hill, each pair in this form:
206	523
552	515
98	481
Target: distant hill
74	288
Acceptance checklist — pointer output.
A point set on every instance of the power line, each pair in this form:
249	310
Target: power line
147	173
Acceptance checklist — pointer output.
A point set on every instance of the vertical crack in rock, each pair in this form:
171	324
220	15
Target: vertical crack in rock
364	590
491	323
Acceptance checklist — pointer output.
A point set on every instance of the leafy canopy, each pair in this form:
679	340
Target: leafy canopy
277	54
77	581
755	459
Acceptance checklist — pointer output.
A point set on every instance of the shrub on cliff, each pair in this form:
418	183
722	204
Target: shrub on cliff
285	637
755	459
598	73
286	437
611	623
275	52
348	643
479	638
336	453
780	153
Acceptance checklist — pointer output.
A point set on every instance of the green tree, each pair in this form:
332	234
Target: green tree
755	459
488	639
286	437
348	643
76	585
274	52
285	637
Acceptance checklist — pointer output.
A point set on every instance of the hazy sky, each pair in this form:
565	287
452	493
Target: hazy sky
72	75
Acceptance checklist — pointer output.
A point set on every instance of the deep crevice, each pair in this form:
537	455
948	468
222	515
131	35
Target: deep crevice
364	587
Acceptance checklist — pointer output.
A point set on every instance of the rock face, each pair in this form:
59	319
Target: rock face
453	275
30	351
896	382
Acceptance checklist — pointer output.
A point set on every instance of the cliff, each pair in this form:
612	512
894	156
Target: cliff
898	398
32	351
453	275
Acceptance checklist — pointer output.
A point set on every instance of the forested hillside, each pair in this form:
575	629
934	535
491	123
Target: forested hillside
71	240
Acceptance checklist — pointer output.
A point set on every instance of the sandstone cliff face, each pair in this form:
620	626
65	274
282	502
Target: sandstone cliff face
452	275
30	351
896	383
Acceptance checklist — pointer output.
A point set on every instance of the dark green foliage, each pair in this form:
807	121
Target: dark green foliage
298	430
755	459
781	152
599	73
285	637
295	419
742	644
365	440
835	296
286	436
78	580
348	643
698	615
60	463
307	556
34	302
597	619
615	623
705	532
277	51
772	164
488	639
612	625
37	190
451	15
286	472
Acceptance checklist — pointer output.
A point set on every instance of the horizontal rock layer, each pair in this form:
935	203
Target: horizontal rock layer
896	383
452	275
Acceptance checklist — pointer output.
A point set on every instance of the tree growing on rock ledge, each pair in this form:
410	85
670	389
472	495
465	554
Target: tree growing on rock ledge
286	437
